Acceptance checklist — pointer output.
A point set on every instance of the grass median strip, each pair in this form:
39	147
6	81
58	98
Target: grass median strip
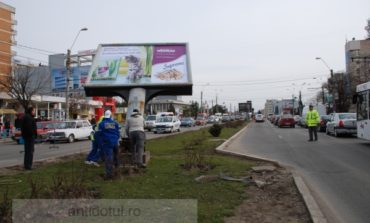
164	178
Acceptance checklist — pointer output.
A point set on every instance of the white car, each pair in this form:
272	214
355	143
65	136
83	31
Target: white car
70	131
259	118
150	121
167	124
342	124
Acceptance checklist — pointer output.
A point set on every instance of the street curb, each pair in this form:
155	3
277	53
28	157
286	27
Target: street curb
316	215
313	209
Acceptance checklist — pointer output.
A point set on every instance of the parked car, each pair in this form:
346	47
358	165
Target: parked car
259	118
70	131
297	119
200	120
342	124
286	120
269	116
150	121
323	120
276	120
187	122
42	131
225	118
167	124
213	119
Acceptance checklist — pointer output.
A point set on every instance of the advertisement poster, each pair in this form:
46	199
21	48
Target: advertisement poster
130	65
79	76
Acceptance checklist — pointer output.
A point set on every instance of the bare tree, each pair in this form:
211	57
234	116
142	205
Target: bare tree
337	88
24	83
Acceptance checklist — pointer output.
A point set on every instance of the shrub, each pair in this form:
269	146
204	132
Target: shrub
215	130
234	124
195	153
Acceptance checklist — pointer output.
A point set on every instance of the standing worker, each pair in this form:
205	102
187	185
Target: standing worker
135	127
312	120
109	132
29	134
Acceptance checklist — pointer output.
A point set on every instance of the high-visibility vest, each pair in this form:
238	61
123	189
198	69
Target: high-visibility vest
312	118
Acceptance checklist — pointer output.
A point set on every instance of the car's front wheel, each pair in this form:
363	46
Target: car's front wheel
71	138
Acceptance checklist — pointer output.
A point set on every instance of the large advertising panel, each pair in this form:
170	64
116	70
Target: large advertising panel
243	107
134	65
79	76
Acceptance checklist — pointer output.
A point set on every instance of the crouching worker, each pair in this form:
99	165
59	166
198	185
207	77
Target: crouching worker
109	132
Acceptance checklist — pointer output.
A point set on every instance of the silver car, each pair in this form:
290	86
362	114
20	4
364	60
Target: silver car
342	124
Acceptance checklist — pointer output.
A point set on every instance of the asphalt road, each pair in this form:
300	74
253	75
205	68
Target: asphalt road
337	170
12	154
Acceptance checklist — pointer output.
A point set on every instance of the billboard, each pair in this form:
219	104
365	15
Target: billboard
79	77
243	107
135	65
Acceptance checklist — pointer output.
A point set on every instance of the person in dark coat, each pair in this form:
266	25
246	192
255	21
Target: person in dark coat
7	127
17	123
29	134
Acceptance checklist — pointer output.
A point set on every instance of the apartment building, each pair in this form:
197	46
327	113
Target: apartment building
7	38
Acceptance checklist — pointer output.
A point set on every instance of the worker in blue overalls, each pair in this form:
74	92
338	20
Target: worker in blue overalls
109	132
96	152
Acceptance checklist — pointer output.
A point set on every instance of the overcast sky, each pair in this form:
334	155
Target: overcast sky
239	49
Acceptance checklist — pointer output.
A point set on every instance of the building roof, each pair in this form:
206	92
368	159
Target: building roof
7	7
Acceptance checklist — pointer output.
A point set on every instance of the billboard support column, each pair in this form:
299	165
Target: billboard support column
136	101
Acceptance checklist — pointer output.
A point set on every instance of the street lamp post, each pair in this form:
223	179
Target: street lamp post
68	67
331	75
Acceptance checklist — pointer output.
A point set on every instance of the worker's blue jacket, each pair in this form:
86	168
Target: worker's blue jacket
109	131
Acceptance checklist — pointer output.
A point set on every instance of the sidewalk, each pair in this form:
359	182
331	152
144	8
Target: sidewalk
7	140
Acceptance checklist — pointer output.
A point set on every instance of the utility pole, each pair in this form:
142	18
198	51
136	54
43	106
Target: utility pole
216	104
300	103
201	101
68	66
293	104
323	95
212	108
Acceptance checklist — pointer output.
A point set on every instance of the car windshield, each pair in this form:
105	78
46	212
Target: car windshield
151	118
165	119
325	117
347	116
65	125
186	119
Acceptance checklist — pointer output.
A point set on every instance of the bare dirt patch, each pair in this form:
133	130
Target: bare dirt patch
275	199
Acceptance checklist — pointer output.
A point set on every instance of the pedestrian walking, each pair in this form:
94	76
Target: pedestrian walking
135	128
312	121
29	134
109	136
7	127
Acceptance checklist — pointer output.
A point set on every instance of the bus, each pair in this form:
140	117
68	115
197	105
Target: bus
362	100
